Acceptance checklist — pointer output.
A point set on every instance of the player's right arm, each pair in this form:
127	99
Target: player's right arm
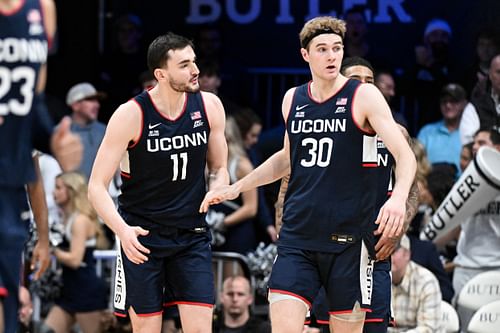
386	246
123	127
272	169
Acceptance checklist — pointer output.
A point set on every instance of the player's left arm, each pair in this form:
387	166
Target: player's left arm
217	145
373	112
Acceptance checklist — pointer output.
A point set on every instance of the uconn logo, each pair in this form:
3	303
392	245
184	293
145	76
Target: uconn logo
154	145
16	49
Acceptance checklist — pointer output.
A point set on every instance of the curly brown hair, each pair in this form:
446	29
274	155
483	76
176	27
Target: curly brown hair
318	25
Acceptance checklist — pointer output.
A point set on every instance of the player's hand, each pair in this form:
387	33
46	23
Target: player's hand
66	146
391	218
385	247
131	246
273	234
40	259
218	195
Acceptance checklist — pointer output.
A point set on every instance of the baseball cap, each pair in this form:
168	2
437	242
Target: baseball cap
455	91
82	91
437	24
405	243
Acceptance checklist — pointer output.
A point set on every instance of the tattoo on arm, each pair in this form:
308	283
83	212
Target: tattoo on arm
411	205
279	203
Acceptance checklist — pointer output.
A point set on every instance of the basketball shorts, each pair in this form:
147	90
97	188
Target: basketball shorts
378	318
346	276
178	271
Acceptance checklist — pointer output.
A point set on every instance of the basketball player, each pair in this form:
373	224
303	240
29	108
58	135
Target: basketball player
378	319
164	137
26	29
330	151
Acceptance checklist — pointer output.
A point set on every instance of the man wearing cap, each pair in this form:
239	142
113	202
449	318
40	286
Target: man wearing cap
416	297
83	99
442	138
432	69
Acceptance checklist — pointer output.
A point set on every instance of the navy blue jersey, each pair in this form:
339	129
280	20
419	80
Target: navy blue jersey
23	49
331	197
385	162
165	179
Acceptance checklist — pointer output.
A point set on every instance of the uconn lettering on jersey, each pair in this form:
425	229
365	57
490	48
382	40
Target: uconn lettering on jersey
318	126
14	50
177	142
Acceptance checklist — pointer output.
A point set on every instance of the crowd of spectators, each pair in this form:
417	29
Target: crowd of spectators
455	116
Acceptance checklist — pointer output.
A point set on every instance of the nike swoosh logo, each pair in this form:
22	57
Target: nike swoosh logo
298	108
153	126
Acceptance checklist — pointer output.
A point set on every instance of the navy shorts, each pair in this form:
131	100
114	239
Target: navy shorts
178	271
346	276
377	319
14	222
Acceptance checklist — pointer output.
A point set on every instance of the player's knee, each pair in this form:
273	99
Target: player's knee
357	315
276	297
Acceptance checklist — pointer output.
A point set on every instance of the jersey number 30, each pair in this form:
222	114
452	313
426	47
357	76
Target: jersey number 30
320	152
26	77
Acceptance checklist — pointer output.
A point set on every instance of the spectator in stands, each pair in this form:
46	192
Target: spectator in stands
483	111
250	126
210	80
478	248
211	48
209	44
416	298
387	86
465	156
236	299
432	69
487	46
147	80
83	296
49	169
439	182
127	51
235	218
444	133
83	99
25	311
356	43
423	169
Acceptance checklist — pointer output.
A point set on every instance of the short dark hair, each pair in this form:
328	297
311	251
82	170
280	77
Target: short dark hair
494	133
158	49
440	181
355	61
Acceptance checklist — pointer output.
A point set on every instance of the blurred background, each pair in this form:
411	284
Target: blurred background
255	44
